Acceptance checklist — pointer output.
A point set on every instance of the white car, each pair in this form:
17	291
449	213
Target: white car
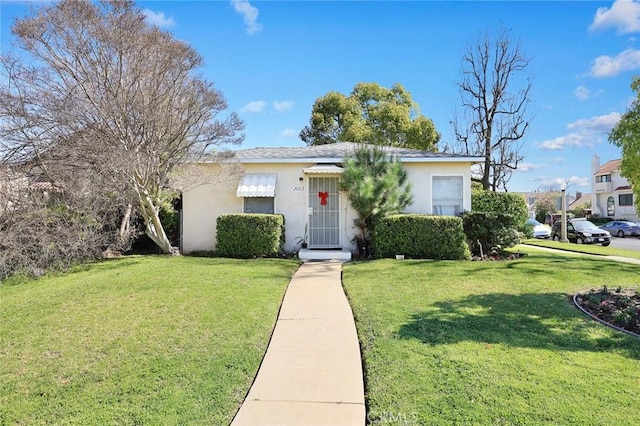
539	230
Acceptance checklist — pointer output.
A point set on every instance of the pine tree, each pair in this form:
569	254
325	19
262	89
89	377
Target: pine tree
377	186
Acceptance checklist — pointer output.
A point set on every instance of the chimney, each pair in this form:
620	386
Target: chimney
595	164
578	195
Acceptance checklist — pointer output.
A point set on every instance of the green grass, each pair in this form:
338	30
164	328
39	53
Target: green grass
492	342
584	248
142	340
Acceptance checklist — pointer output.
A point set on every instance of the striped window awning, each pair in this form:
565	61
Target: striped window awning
324	169
257	185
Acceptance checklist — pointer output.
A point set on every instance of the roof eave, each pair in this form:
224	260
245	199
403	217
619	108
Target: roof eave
341	159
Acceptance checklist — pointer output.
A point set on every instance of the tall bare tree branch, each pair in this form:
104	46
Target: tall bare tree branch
495	97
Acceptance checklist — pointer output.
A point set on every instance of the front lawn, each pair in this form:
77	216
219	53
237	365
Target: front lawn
492	342
140	340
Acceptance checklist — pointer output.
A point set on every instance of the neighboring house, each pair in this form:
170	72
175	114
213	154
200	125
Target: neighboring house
581	201
611	194
303	185
14	185
530	198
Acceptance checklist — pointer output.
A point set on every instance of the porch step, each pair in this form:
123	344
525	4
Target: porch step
322	254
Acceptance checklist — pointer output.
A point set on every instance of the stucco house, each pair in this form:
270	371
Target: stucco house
611	194
302	183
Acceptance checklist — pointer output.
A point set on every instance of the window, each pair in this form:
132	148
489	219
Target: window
259	205
625	199
611	208
603	178
447	195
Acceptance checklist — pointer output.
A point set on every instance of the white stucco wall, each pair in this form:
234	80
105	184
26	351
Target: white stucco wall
202	205
200	208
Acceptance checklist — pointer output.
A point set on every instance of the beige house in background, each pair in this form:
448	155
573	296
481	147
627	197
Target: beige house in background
302	184
611	194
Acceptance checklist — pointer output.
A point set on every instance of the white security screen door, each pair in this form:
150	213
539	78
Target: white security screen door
324	212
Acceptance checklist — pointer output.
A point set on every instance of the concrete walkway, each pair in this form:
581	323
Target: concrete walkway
312	371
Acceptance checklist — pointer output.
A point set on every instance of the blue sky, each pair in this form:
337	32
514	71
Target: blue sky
273	59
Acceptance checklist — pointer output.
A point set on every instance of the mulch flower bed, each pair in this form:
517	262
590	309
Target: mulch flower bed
499	256
619	307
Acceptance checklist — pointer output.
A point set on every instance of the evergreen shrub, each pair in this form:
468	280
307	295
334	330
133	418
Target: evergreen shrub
420	237
246	235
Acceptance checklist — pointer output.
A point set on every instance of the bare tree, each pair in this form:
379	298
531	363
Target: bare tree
112	97
495	97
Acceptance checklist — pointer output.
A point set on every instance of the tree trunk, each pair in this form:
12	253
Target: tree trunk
125	225
153	226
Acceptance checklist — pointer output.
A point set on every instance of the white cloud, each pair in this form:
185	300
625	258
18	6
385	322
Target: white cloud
583	93
571	182
158	19
255	106
607	66
586	132
624	15
572	140
597	124
288	133
527	167
281	106
249	15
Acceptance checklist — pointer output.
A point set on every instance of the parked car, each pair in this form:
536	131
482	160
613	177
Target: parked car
622	228
581	231
539	230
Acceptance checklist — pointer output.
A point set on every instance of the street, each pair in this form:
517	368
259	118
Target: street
629	243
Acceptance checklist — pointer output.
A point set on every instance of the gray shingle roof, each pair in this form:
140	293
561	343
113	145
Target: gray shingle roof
337	151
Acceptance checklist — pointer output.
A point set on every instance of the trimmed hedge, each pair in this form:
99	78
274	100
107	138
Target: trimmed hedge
501	202
489	230
596	220
420	236
249	235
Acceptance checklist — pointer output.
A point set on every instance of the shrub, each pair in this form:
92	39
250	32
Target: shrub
597	220
249	235
49	238
487	231
497	221
501	202
420	236
170	219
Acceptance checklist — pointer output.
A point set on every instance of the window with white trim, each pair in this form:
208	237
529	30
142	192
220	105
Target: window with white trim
259	205
447	195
